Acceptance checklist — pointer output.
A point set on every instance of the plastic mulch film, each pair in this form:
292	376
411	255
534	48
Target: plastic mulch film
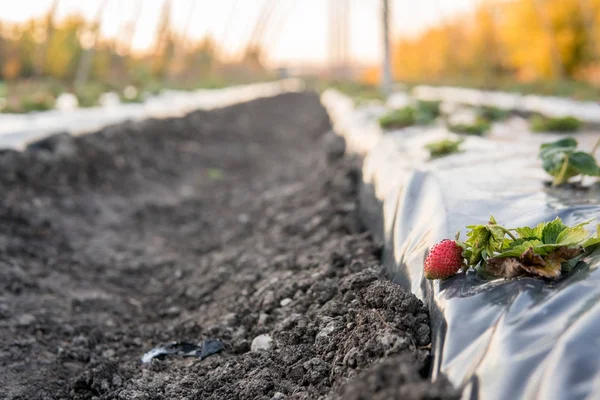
587	111
503	339
16	130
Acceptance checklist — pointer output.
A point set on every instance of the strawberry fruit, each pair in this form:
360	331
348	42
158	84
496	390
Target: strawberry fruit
444	260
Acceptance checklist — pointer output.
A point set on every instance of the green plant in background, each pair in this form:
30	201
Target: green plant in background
422	113
88	95
353	89
38	102
562	125
400	118
443	147
426	112
478	127
430	107
492	113
562	160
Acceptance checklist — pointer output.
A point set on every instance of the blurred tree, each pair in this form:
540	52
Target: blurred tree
486	52
165	43
200	59
48	22
525	40
64	49
27	48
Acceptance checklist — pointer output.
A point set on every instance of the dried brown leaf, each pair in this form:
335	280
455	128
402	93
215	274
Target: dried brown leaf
530	258
507	267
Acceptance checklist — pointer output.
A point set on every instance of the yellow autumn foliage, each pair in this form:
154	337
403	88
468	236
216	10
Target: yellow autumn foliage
525	40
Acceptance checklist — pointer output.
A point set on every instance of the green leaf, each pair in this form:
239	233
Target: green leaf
560	124
478	235
443	147
520	248
561	160
551	231
585	163
591	242
562	144
477	239
539	229
549	151
527	232
571	236
575	235
511	244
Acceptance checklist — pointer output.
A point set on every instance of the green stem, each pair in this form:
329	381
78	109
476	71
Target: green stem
507	231
563	171
509	234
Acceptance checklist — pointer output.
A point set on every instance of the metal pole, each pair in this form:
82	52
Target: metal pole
85	63
386	75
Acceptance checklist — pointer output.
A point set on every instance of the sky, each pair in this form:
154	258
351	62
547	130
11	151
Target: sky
298	32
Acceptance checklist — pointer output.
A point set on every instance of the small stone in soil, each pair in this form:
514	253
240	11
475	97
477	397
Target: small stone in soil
261	342
285	302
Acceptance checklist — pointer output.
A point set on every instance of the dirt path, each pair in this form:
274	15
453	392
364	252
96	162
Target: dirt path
221	225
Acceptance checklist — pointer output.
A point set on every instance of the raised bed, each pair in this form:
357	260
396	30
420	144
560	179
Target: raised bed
586	111
501	339
18	129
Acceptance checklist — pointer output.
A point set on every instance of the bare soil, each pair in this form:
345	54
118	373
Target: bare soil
220	225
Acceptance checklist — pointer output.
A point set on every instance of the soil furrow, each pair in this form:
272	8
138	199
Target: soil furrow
224	225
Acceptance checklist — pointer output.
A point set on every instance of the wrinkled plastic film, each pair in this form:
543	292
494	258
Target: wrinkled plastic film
500	339
16	130
587	111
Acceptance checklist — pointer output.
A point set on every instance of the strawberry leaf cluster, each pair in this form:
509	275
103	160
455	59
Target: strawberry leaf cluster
562	160
546	250
443	147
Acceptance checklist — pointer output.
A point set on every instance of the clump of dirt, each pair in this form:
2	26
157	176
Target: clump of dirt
238	224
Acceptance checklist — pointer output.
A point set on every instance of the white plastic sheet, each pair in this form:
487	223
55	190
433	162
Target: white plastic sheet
502	339
16	130
586	111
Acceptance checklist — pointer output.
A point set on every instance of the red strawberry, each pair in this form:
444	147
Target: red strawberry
444	260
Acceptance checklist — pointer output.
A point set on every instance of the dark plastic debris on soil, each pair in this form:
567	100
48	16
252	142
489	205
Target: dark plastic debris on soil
185	349
115	241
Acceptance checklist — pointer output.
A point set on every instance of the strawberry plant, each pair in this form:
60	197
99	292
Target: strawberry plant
423	113
562	160
38	102
397	119
491	113
443	147
547	250
479	127
429	107
561	125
